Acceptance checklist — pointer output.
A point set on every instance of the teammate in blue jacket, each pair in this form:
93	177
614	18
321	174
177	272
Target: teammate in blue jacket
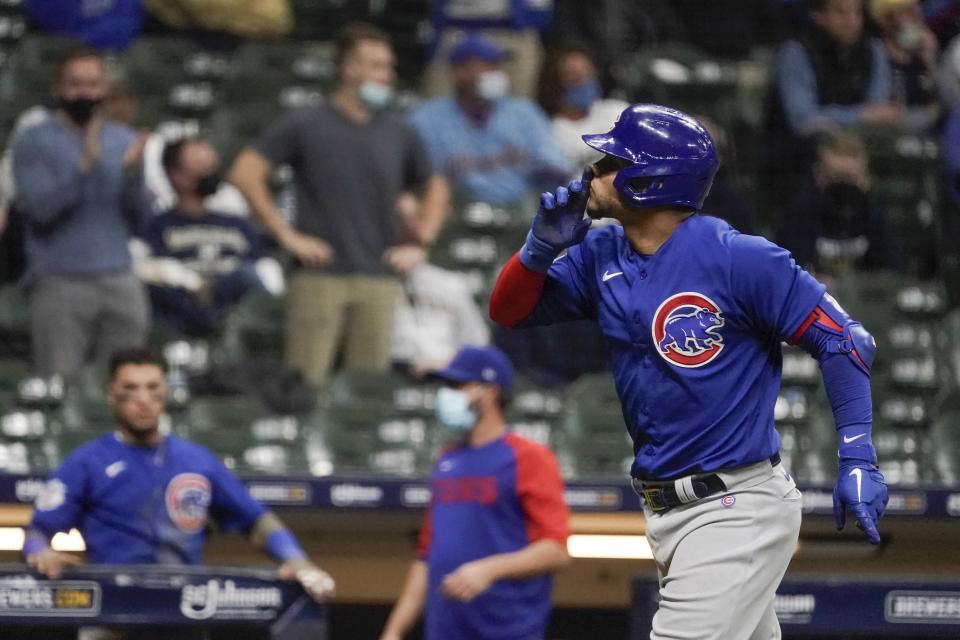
140	496
694	313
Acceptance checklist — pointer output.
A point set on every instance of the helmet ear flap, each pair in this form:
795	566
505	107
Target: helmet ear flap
643	185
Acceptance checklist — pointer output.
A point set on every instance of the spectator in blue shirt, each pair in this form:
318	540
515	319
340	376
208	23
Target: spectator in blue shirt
492	147
80	191
835	74
200	261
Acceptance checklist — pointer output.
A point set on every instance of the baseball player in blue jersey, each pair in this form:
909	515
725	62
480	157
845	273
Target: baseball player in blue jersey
139	496
497	524
694	313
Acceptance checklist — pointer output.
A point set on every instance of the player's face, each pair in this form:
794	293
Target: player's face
842	20
138	395
370	61
604	201
83	78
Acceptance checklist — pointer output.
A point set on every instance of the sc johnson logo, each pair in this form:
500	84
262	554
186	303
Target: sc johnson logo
933	607
226	601
355	495
795	608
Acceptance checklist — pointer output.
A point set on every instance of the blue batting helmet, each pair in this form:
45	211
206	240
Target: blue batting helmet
673	158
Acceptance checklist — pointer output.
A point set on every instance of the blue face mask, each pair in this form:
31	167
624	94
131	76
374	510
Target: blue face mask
375	96
453	409
583	95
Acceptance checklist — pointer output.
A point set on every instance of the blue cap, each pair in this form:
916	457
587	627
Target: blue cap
476	46
479	364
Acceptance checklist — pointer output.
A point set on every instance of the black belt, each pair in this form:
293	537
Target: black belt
662	496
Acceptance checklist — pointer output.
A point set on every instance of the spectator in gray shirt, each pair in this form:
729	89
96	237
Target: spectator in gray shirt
79	188
352	161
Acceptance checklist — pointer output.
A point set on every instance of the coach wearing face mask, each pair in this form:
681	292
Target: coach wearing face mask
80	190
833	224
353	161
497	525
492	147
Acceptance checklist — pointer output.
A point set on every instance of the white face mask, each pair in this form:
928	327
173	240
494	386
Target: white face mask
453	409
375	95
493	85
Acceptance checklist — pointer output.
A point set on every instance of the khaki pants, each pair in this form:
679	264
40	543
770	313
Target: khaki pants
327	311
523	67
721	559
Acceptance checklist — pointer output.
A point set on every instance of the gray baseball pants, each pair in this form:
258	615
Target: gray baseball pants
721	558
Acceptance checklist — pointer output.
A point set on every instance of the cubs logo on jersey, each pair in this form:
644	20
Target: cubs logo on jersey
686	329
188	498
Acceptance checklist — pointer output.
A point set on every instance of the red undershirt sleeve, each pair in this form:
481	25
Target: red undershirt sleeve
516	293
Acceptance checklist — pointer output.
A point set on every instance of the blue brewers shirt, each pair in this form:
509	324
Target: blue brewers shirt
694	334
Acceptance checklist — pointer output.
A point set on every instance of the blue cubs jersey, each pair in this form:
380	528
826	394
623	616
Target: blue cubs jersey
143	505
694	334
487	500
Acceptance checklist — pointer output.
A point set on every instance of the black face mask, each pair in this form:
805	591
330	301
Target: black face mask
80	110
846	199
209	184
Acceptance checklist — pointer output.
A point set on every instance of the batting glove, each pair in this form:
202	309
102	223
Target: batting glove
861	487
559	224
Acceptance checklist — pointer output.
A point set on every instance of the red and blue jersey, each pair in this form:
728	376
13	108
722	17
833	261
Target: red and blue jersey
694	333
487	500
143	505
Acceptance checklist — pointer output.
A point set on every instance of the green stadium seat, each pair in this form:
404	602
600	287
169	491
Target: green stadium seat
12	28
24	425
375	438
274	459
254	327
799	368
12	371
681	76
233	418
381	390
14	309
594	407
27	457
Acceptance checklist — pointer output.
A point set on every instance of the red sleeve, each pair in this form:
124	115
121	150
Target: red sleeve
516	293
817	316
540	489
425	539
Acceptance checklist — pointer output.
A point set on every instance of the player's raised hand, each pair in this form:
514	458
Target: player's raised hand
468	581
861	487
558	224
52	563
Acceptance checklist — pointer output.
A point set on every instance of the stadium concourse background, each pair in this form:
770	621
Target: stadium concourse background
349	476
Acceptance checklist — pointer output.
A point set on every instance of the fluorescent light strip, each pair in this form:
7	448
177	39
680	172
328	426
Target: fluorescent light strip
11	539
609	546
